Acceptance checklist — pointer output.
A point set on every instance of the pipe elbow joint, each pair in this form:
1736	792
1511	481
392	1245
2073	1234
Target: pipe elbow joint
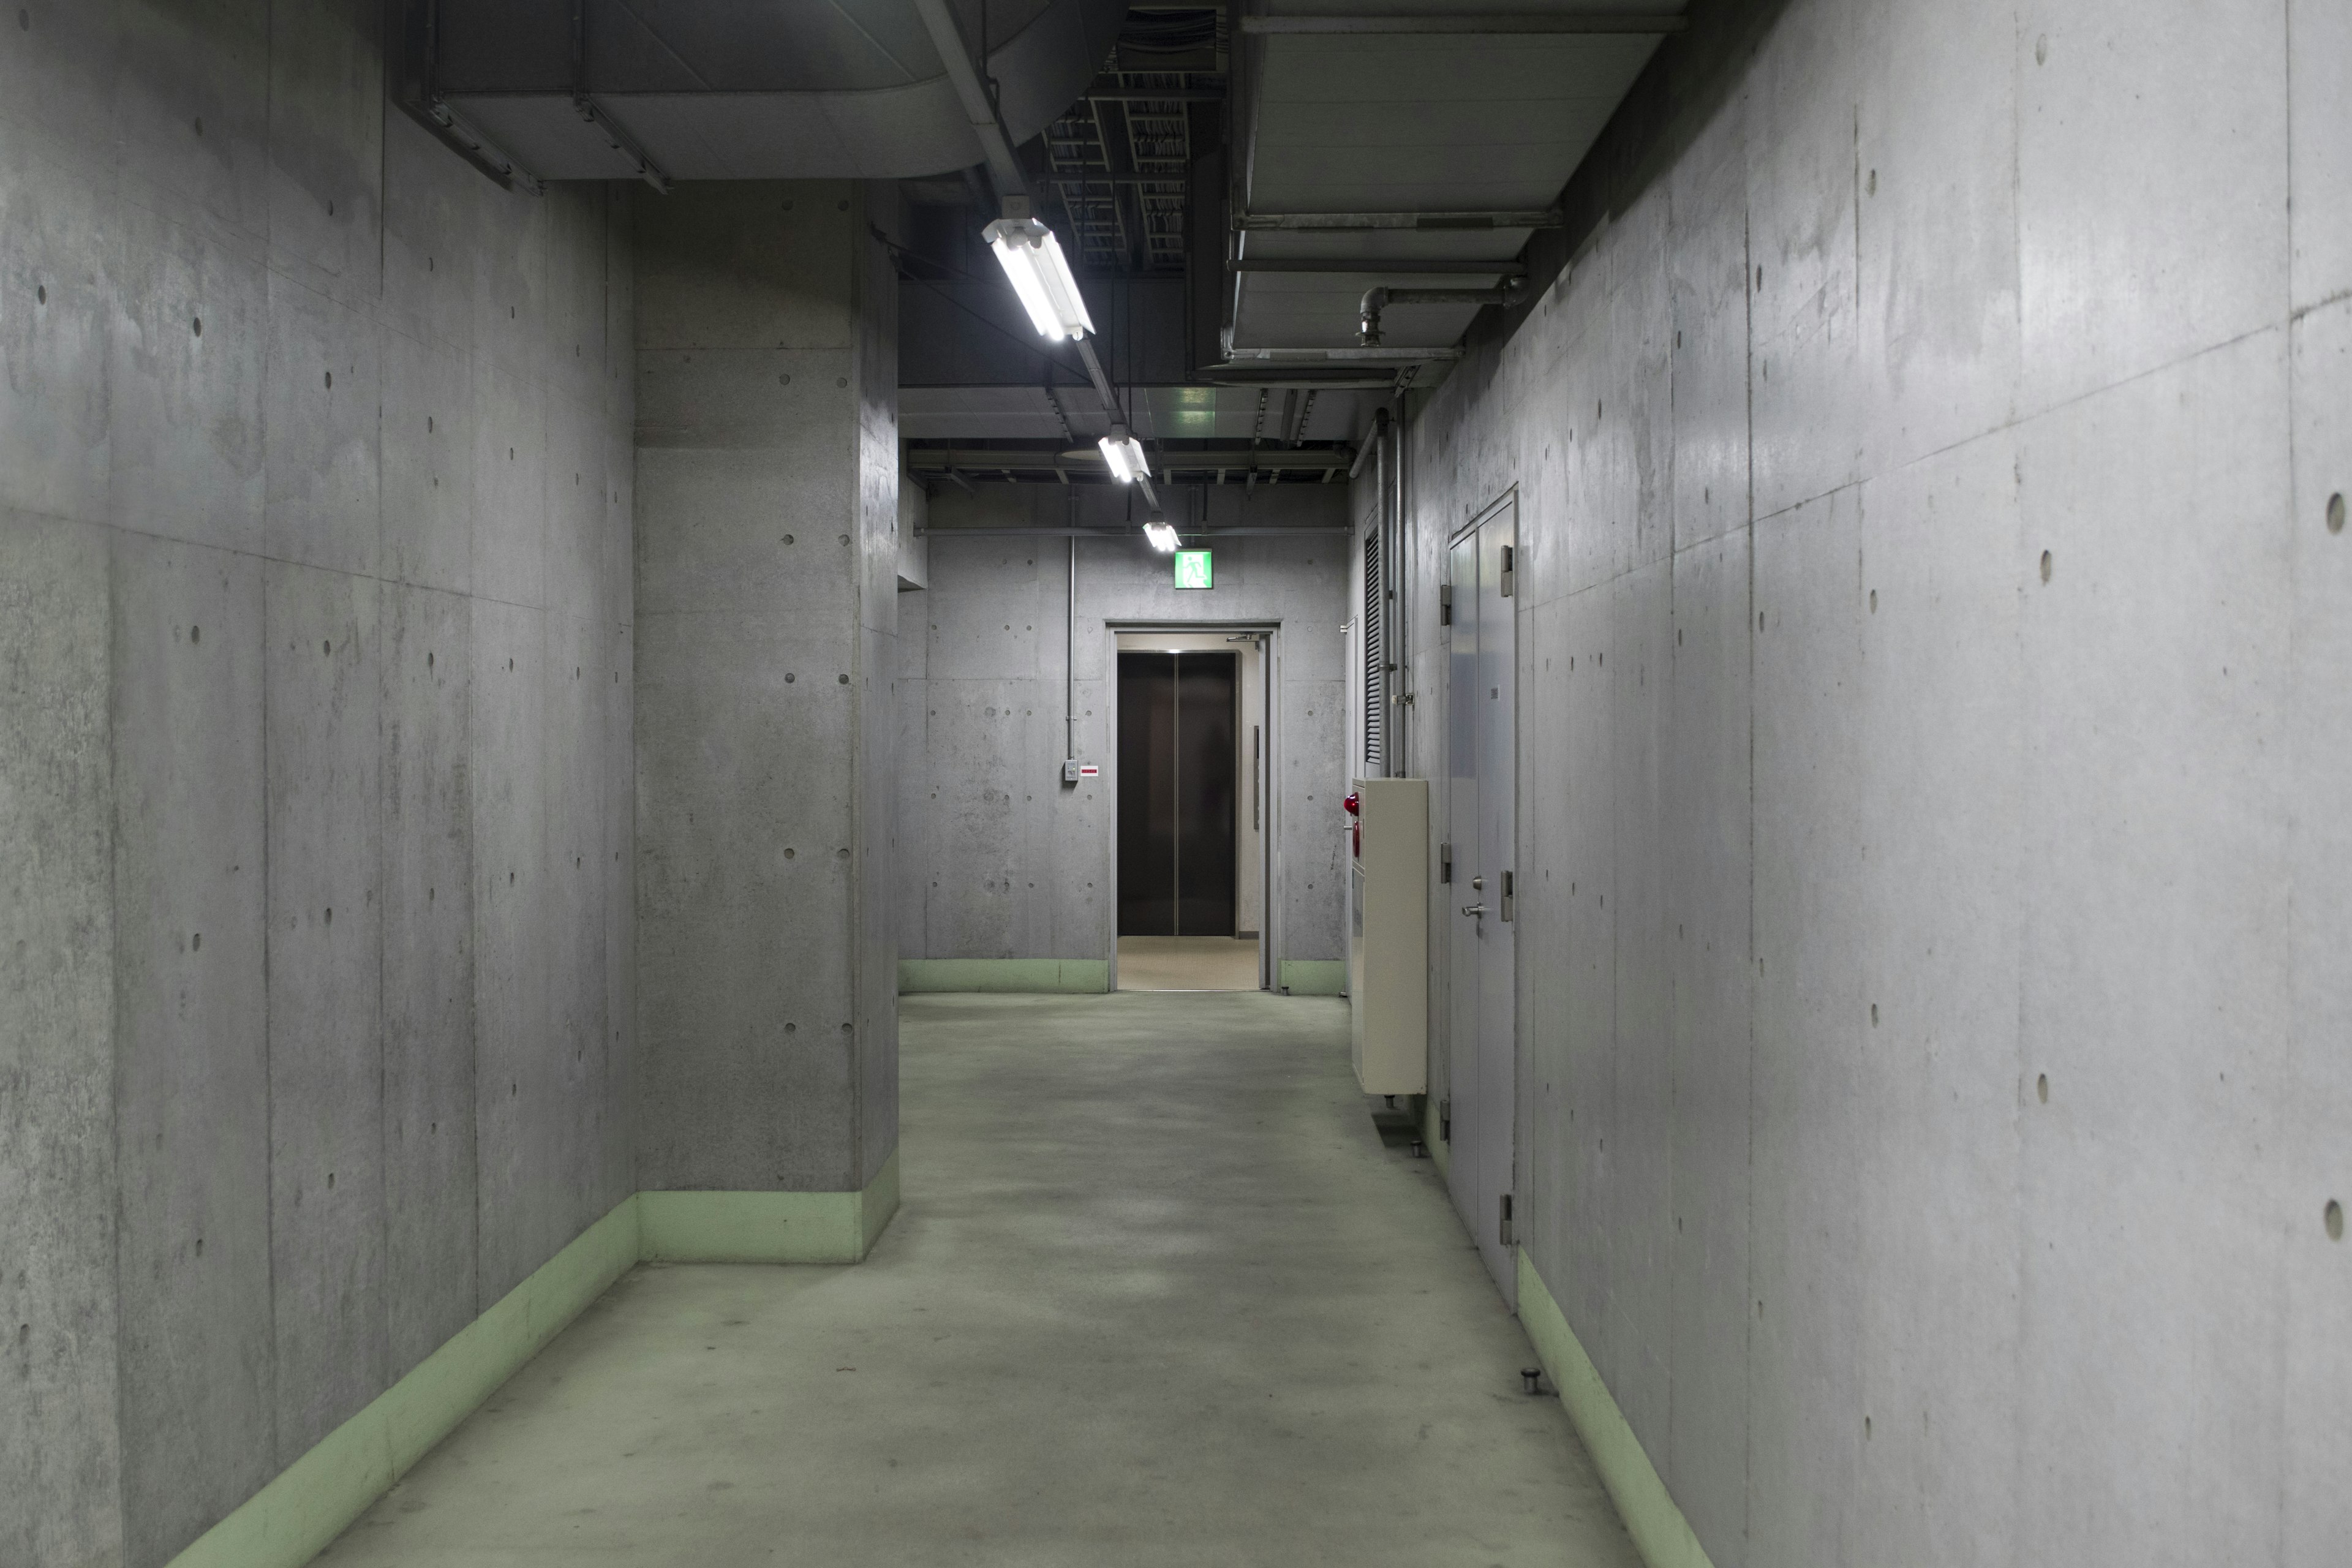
1369	313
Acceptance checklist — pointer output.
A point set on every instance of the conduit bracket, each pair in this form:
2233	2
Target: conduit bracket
621	142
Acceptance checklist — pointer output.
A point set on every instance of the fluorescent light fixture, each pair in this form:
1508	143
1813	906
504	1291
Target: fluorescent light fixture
1124	453
1163	537
1032	259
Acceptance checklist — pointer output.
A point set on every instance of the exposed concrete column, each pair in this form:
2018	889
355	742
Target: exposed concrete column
767	549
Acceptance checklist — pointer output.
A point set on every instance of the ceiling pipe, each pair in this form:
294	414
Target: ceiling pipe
1376	300
1293	359
1373	266
1651	26
987	125
1012	199
1511	217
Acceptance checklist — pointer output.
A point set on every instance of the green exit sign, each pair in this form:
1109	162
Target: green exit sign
1193	569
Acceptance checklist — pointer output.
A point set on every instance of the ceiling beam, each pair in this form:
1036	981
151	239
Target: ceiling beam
1654	25
1087	461
1373	266
987	127
1531	217
1113	92
1397	355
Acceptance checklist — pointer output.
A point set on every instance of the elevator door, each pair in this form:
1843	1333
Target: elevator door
1176	801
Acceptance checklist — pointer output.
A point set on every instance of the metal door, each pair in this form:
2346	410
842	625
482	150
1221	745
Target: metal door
1482	747
1176	804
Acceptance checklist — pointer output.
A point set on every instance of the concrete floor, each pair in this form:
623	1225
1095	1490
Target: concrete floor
1187	964
1159	1295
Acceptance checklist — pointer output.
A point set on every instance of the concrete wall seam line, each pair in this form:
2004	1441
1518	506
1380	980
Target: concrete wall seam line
1653	1518
303	1509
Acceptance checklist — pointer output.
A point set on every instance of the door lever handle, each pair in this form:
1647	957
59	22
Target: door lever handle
1474	908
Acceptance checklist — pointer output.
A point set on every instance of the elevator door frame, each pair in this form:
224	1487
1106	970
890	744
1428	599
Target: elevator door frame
1269	930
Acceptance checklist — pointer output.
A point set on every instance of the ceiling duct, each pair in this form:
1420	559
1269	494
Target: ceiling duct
689	89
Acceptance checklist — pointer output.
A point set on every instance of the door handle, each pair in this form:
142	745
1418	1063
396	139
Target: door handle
1474	909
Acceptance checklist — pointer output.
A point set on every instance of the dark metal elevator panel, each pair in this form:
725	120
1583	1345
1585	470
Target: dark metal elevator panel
1176	798
1207	686
1146	798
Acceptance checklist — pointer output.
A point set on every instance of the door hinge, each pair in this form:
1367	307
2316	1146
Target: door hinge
1506	571
1506	895
1506	1219
1446	603
1445	1120
1445	862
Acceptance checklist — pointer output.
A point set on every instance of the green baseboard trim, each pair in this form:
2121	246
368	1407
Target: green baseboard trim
1314	976
1078	976
768	1228
294	1517
315	1499
1660	1532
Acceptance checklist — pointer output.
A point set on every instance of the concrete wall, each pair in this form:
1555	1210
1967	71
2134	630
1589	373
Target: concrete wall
767	578
314	750
1933	993
1002	859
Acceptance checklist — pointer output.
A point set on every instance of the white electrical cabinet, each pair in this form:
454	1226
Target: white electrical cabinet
1388	936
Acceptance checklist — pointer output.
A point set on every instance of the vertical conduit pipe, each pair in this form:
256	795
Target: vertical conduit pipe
1392	653
1401	575
1070	649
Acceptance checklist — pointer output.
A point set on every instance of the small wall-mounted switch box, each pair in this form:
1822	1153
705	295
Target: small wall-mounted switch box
1074	770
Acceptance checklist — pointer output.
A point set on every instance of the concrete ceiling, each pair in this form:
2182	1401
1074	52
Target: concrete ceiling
781	90
1414	123
1222	414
